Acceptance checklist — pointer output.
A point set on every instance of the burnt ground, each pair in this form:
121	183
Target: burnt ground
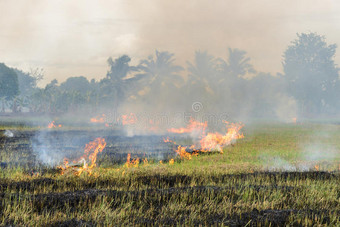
36	148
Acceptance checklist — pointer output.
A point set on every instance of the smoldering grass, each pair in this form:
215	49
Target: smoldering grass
220	189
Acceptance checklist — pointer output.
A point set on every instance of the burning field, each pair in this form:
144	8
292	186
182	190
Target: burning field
242	175
169	113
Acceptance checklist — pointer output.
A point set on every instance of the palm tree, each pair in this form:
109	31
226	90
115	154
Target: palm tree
232	78
237	64
116	84
161	79
203	70
119	68
161	71
201	86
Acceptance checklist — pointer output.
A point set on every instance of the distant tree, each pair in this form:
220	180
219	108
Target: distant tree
310	72
52	85
79	84
231	80
50	96
93	82
9	87
119	68
37	101
27	83
27	86
161	78
201	85
161	70
262	93
237	64
203	68
117	85
233	70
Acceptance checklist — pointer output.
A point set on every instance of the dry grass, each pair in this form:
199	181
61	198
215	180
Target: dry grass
234	188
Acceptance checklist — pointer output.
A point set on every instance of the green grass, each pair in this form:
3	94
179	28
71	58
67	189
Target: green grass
247	184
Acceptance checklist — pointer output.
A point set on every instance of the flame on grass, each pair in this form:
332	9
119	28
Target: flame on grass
183	152
193	126
98	119
317	167
131	162
64	167
53	125
207	141
88	161
152	126
216	141
145	162
139	124
129	119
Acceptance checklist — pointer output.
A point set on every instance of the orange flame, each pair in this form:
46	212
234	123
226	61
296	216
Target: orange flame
167	140
153	127
131	162
53	125
63	168
182	152
317	167
91	151
145	162
96	146
129	119
193	126
98	119
216	141
208	142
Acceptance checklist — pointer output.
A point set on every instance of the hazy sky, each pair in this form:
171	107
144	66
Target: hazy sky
75	37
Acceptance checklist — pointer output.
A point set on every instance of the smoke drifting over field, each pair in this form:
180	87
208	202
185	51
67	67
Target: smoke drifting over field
70	38
170	62
8	133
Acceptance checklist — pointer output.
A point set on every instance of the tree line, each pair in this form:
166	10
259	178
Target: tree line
309	84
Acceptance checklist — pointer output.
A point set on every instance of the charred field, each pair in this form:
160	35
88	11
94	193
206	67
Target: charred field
278	174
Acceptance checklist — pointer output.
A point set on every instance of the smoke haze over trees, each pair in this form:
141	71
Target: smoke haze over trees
311	73
227	84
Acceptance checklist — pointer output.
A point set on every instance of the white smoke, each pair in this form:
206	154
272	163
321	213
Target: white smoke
286	108
8	133
44	147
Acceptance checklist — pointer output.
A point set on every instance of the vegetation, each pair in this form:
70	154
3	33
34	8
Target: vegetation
279	174
246	185
8	84
308	87
311	73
